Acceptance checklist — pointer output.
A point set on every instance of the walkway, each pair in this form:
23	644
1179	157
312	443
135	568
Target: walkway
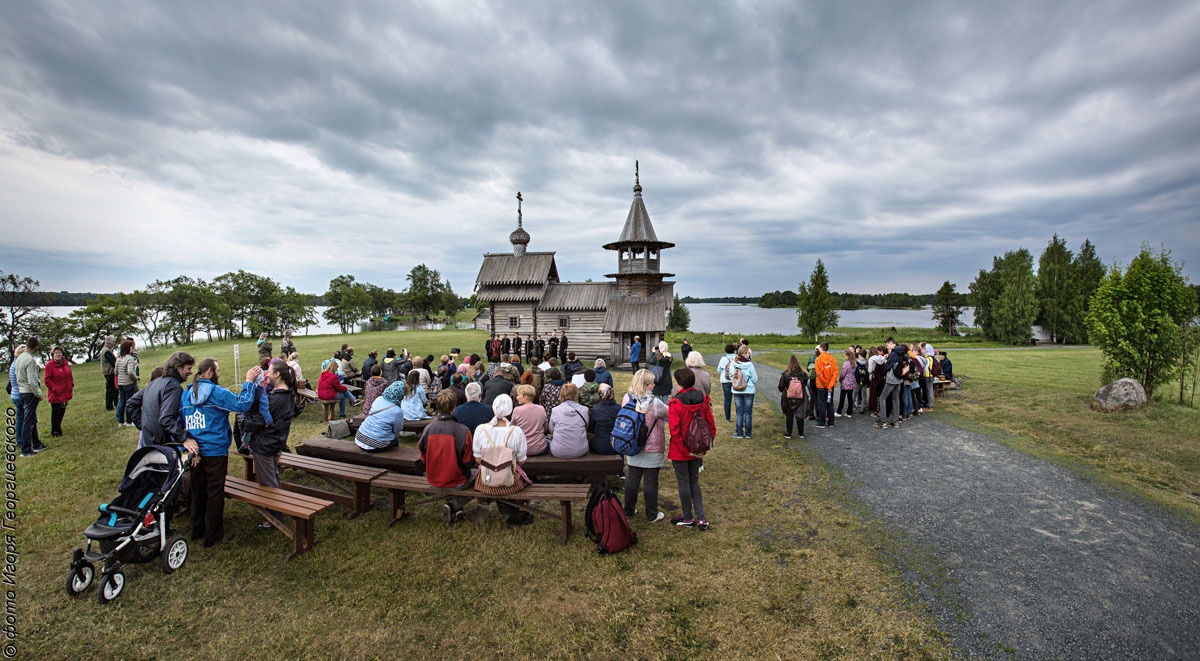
1033	560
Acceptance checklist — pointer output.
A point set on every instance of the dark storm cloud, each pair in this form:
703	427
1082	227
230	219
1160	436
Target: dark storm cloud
770	134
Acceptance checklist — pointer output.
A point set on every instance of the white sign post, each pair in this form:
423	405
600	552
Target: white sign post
237	359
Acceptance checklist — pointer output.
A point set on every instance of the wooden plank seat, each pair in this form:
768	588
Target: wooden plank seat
566	494
356	495
939	387
301	508
407	459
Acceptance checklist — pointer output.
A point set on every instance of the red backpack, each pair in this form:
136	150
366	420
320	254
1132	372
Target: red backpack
606	522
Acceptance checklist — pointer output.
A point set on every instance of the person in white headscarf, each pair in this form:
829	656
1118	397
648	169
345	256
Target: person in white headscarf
500	430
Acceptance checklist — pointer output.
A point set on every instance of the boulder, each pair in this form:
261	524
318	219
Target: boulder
1120	395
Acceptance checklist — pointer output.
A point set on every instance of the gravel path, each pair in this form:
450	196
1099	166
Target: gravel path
1033	560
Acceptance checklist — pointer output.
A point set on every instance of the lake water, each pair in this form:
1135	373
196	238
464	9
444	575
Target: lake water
706	318
749	319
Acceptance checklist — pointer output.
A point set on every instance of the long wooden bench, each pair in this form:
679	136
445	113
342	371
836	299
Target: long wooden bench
301	508
356	495
407	459
398	484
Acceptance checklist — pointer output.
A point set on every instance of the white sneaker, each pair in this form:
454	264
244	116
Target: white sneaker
658	518
837	415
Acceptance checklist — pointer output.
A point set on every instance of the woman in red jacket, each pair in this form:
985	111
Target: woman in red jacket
331	388
683	407
60	385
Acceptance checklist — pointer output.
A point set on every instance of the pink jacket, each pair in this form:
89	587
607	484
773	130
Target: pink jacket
656	422
848	380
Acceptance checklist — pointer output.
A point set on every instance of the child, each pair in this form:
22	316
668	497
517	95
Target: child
264	408
683	407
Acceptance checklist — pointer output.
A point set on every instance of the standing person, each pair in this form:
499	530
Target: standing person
205	407
695	362
108	366
60	385
562	347
825	368
848	383
540	349
685	348
505	347
810	404
265	348
635	353
743	401
447	450
286	345
662	359
927	379
862	380
792	407
15	391
643	468
127	378
688	404
875	371
268	441
725	373
161	421
889	398
29	378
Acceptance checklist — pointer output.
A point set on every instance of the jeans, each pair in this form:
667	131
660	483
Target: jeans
634	367
824	407
124	393
687	476
341	398
860	398
266	471
633	478
927	384
905	400
18	413
889	401
29	432
110	391
745	414
727	389
208	499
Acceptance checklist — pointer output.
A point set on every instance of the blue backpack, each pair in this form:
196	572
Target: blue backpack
629	431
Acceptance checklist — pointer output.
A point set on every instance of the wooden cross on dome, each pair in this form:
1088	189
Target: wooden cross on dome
519	201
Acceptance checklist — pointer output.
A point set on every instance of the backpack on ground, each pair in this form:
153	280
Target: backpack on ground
795	389
606	522
698	438
629	432
861	376
739	379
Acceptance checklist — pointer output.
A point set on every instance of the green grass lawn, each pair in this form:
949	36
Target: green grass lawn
788	570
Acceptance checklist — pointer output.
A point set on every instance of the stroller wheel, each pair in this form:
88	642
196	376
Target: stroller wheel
175	554
80	578
111	585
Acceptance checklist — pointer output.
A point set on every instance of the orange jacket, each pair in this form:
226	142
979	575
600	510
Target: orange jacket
826	368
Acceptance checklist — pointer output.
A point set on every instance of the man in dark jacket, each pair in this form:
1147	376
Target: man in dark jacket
562	348
160	418
946	365
474	412
502	383
108	365
572	366
372	360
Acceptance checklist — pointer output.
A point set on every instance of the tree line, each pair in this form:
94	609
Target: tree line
231	305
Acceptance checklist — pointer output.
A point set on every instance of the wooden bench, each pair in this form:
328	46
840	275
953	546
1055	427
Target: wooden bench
939	387
397	484
406	459
301	508
356	496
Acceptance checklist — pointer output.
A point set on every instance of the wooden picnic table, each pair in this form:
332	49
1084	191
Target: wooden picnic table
355	495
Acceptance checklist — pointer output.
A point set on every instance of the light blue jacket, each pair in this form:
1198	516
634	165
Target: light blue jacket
384	421
751	376
729	357
206	415
413	406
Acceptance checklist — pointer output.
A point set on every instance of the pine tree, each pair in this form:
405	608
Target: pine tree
1054	288
680	318
948	306
816	313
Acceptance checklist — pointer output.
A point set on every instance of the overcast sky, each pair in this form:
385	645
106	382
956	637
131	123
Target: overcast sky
904	143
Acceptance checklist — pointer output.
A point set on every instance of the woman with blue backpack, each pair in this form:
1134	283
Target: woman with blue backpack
643	467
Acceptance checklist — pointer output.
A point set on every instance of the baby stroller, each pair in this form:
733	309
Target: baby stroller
134	527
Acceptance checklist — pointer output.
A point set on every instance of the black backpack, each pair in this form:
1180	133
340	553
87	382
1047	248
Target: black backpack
861	375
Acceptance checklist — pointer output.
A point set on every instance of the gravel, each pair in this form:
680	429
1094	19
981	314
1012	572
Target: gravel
1030	559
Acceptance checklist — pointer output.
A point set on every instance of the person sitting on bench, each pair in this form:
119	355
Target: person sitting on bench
379	429
448	454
